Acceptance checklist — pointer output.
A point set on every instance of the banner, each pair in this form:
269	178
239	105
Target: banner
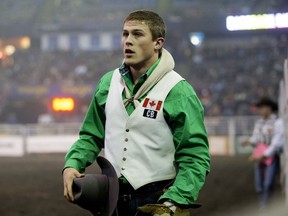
32	91
11	146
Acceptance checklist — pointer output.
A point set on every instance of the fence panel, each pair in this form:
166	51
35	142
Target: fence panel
226	135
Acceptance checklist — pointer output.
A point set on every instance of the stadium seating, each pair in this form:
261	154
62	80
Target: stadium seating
228	77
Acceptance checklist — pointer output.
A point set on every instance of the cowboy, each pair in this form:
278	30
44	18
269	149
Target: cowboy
150	124
267	140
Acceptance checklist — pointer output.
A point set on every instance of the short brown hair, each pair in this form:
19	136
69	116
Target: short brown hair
151	19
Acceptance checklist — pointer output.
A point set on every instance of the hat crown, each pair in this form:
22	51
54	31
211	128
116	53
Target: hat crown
91	192
267	102
98	193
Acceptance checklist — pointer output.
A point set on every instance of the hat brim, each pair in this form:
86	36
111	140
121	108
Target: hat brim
108	170
267	102
271	104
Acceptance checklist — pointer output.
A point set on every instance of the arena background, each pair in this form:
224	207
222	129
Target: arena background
52	54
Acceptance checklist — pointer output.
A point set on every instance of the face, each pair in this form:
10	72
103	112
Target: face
265	111
138	47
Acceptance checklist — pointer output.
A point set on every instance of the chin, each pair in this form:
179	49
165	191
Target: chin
130	62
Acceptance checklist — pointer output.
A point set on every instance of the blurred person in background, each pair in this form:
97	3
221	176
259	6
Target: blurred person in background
150	123
267	140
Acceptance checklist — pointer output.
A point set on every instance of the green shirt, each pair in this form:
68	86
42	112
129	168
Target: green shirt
183	113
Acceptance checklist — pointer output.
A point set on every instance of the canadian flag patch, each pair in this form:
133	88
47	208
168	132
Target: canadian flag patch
151	108
152	104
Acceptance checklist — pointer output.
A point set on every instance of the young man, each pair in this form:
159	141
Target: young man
150	123
268	132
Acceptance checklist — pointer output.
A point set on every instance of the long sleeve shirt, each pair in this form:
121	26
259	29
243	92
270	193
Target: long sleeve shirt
278	139
183	113
263	130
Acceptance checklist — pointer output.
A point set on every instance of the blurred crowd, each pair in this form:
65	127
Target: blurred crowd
228	78
60	68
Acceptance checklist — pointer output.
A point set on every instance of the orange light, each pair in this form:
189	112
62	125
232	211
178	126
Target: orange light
63	104
25	42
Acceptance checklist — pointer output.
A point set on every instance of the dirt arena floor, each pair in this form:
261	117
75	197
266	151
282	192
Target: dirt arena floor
32	186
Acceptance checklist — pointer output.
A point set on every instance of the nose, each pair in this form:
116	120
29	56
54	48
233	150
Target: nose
128	40
127	43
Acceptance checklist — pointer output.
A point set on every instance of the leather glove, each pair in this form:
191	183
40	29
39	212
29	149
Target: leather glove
162	210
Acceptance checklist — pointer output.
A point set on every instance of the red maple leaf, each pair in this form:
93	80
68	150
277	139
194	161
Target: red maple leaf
152	104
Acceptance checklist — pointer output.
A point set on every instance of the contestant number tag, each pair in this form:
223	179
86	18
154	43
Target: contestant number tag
150	113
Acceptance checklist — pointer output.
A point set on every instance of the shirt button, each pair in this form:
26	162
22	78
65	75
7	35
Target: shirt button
124	159
126	140
123	168
125	149
127	130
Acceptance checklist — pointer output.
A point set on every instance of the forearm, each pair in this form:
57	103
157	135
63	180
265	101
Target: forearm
91	138
256	137
83	153
192	158
277	141
190	178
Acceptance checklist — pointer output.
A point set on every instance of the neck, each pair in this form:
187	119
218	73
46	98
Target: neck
267	116
138	70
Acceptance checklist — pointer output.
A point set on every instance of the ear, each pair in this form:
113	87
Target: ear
159	42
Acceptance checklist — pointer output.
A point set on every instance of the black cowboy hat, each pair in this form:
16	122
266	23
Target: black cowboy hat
98	193
267	102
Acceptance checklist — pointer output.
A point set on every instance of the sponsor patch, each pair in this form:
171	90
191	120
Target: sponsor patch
148	113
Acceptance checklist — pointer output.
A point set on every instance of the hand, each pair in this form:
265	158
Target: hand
164	214
69	174
257	158
246	143
155	209
162	210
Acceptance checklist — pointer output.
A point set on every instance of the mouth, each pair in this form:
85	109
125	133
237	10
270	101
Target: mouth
128	52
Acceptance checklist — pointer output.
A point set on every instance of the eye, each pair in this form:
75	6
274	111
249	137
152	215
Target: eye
125	34
137	34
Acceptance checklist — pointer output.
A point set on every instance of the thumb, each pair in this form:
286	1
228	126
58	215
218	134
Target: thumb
79	175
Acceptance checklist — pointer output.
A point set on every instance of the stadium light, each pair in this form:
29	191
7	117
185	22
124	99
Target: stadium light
196	38
9	50
63	104
281	20
257	21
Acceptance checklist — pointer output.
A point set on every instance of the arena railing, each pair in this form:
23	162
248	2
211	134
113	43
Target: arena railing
226	135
